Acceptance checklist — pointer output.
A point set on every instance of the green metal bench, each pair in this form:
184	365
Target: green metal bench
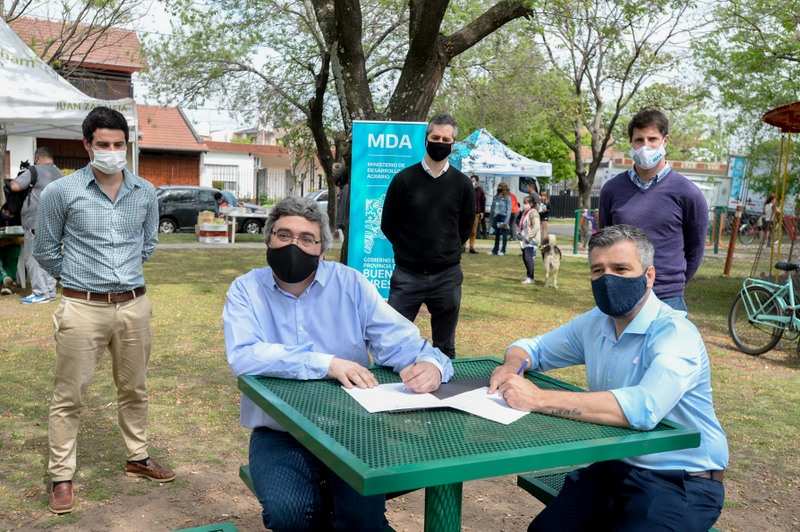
545	485
244	474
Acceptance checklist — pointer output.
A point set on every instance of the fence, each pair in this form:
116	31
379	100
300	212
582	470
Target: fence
563	206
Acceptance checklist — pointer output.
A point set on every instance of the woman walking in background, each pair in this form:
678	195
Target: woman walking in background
529	236
501	217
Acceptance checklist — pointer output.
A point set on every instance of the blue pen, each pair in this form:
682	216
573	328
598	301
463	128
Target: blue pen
522	367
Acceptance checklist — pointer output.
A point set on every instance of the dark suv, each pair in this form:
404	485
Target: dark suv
178	207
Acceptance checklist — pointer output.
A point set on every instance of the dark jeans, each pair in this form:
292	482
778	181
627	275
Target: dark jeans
677	302
499	234
529	259
298	492
616	496
441	293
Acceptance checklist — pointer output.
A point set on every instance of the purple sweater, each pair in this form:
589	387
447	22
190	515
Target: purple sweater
674	215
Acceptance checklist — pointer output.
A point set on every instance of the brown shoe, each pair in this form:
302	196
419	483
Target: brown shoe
151	470
62	499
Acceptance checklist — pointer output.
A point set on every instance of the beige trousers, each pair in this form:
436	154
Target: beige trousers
84	330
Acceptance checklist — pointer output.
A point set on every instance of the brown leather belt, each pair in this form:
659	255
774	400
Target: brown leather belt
108	297
715	474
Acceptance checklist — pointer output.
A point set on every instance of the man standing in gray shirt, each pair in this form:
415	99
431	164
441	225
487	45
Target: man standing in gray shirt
42	283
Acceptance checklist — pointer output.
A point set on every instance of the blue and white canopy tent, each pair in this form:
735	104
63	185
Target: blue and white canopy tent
483	155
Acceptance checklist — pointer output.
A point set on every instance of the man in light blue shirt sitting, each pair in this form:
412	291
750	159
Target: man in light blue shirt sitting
306	318
645	362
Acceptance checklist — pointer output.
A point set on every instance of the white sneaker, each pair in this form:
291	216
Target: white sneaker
500	253
527	280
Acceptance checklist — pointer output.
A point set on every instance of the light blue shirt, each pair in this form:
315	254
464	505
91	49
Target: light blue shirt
271	332
657	369
91	242
644	185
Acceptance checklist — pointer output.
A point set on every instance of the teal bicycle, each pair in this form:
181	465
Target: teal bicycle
763	312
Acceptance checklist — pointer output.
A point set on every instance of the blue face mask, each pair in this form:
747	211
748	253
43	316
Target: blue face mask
616	295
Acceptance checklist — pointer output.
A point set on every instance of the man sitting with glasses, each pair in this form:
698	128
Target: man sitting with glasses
307	318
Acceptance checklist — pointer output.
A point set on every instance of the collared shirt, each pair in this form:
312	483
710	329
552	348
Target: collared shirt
427	168
644	185
271	332
657	369
104	242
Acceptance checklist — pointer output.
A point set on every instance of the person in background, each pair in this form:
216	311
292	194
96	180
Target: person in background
529	235
669	208
42	283
544	212
500	216
588	227
769	216
515	211
428	214
480	207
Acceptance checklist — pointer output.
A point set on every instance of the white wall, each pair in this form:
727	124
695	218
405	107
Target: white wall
245	184
21	149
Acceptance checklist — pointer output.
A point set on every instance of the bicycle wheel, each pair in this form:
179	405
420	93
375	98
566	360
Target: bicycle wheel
750	337
746	234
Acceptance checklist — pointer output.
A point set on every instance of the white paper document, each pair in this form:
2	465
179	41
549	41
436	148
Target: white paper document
395	396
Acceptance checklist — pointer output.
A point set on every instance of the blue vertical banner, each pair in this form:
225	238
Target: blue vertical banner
380	150
736	168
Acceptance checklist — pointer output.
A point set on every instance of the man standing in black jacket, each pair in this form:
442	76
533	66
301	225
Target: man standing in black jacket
427	216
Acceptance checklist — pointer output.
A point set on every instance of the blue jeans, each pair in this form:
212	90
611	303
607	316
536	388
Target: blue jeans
617	496
677	302
298	492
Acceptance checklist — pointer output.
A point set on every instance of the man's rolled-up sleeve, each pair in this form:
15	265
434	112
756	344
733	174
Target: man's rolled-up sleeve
150	229
51	217
250	353
558	348
674	370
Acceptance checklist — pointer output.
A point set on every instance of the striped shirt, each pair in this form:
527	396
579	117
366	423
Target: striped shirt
91	242
644	185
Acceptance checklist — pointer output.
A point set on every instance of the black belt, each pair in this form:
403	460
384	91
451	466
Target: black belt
712	474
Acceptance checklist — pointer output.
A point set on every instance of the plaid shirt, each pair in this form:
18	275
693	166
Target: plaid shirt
644	185
93	243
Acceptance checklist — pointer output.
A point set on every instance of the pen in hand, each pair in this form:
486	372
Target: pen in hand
522	367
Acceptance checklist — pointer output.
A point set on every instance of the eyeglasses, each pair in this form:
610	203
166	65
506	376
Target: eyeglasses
305	240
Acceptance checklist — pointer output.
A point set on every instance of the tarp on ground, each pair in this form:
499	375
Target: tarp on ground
36	101
482	154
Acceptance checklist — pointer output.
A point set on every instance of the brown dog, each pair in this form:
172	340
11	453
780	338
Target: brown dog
551	258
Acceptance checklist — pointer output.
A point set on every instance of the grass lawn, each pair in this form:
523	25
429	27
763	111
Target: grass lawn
194	402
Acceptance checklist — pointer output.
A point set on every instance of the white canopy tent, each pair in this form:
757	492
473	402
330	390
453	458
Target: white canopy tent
35	101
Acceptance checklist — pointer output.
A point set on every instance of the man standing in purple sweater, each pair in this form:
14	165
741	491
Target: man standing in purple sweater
669	208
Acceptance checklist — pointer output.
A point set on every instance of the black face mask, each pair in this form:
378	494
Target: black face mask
291	264
438	151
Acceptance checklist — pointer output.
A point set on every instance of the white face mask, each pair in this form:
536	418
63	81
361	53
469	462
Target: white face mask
647	158
109	161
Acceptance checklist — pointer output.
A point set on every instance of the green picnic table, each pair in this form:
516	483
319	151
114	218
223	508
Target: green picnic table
439	449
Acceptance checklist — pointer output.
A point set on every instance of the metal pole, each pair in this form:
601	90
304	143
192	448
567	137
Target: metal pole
576	233
737	219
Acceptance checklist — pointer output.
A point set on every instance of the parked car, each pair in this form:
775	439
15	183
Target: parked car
178	207
321	197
